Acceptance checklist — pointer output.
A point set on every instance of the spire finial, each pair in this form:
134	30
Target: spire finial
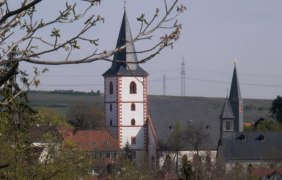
235	61
124	3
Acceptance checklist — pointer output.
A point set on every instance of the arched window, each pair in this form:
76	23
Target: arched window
133	107
132	88
132	122
111	88
111	123
111	107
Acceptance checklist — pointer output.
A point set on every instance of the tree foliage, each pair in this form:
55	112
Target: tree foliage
50	116
276	109
87	116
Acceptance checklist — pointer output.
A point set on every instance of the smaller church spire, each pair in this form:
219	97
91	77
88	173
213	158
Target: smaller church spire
236	101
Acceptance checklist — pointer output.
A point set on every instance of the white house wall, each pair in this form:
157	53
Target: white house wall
189	154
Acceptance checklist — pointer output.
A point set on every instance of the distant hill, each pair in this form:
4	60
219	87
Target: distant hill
253	108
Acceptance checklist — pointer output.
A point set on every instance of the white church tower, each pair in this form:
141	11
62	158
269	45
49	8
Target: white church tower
126	94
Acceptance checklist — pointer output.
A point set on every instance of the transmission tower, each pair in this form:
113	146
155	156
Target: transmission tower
164	85
183	74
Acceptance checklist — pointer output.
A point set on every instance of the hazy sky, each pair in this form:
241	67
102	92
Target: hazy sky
214	33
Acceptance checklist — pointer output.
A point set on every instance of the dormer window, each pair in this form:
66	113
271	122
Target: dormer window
111	88
133	107
132	88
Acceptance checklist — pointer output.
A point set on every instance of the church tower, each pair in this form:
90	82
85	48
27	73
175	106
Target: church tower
236	102
126	94
227	120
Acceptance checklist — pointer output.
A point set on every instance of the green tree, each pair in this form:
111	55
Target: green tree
50	116
88	116
276	109
186	168
176	142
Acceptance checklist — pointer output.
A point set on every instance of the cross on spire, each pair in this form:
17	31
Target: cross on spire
124	4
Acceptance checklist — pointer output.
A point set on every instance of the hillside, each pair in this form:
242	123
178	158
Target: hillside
253	108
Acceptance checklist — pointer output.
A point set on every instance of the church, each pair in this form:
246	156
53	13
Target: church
146	123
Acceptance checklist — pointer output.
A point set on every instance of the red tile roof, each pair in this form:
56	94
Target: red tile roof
260	172
91	140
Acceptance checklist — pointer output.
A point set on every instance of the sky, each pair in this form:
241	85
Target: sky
214	33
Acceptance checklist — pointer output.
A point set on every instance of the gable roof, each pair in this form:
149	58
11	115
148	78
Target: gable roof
165	111
125	61
91	140
253	146
38	132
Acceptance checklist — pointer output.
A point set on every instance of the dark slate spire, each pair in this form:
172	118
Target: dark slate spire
236	102
124	62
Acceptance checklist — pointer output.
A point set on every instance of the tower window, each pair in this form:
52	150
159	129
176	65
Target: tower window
133	107
132	122
111	107
132	87
133	140
228	126
111	123
111	90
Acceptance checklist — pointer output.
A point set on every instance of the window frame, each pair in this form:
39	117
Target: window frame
132	88
111	88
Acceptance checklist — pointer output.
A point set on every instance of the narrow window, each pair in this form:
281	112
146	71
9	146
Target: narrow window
111	107
111	123
133	107
133	140
228	126
132	122
111	87
132	88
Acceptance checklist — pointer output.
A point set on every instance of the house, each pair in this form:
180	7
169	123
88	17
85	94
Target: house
43	136
101	146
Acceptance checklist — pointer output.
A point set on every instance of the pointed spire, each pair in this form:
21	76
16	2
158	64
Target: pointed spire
236	101
125	61
235	93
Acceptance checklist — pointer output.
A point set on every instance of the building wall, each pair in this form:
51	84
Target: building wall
189	154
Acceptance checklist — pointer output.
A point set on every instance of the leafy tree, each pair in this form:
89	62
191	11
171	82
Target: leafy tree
276	109
88	116
176	142
50	116
195	135
186	168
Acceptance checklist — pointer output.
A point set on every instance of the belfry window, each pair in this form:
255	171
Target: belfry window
132	87
111	90
132	122
227	125
111	123
133	107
